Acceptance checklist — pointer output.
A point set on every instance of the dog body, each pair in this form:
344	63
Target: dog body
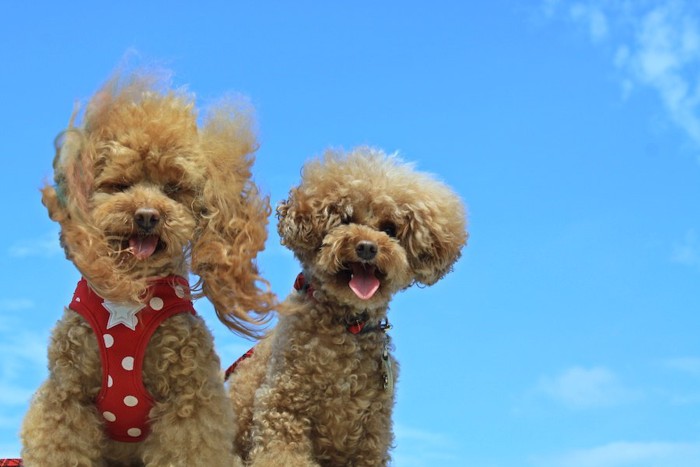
319	389
144	196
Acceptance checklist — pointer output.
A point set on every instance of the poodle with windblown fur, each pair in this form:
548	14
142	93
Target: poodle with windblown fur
144	196
318	391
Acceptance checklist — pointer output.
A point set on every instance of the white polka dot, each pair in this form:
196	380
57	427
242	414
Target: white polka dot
128	363
109	416
156	303
77	299
131	401
110	381
109	340
133	432
179	291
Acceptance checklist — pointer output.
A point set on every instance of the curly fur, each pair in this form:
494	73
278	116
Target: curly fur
138	148
312	394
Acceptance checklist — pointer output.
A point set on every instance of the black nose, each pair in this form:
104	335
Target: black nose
146	218
366	250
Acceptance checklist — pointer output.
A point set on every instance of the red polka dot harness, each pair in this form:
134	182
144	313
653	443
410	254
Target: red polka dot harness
123	331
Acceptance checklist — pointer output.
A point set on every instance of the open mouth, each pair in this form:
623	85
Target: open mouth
363	279
144	246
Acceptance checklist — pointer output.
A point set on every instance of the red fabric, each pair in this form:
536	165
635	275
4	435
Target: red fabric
11	463
357	327
299	282
233	367
301	286
123	401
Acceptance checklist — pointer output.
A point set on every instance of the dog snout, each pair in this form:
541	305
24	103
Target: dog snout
366	250
147	218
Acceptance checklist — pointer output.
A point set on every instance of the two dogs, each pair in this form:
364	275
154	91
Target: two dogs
144	196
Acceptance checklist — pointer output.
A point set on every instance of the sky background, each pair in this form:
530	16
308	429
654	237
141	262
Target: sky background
568	333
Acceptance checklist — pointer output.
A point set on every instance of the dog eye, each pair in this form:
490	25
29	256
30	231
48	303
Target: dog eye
172	189
388	228
175	189
116	187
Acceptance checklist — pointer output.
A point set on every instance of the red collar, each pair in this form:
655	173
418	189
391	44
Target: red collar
358	325
301	286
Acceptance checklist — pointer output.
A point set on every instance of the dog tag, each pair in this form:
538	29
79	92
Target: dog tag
388	371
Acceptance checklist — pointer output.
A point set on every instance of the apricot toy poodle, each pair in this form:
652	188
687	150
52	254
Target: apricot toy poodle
144	196
319	390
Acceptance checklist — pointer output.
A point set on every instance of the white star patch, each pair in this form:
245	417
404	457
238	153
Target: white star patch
123	313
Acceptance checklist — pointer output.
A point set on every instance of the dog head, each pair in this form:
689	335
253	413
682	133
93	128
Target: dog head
366	225
141	191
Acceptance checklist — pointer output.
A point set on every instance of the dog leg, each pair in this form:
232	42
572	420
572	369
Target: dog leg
283	457
60	430
194	424
273	452
200	438
281	438
243	384
62	425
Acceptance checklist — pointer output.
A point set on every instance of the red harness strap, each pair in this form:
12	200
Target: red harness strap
123	331
232	368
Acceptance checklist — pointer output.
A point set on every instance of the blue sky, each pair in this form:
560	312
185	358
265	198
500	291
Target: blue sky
567	335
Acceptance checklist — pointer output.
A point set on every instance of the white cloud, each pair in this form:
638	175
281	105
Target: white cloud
13	395
582	388
663	56
688	365
22	366
656	45
421	448
15	304
549	7
44	246
688	251
684	369
629	454
592	18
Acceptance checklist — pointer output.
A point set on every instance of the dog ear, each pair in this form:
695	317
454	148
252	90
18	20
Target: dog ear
298	225
314	207
68	201
52	200
73	170
436	232
233	227
68	204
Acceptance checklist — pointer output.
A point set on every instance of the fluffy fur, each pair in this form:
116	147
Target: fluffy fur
313	393
139	150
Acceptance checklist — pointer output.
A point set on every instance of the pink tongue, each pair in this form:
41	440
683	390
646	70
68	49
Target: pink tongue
143	247
363	282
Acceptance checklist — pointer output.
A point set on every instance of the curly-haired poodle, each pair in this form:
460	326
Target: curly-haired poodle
320	389
144	196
